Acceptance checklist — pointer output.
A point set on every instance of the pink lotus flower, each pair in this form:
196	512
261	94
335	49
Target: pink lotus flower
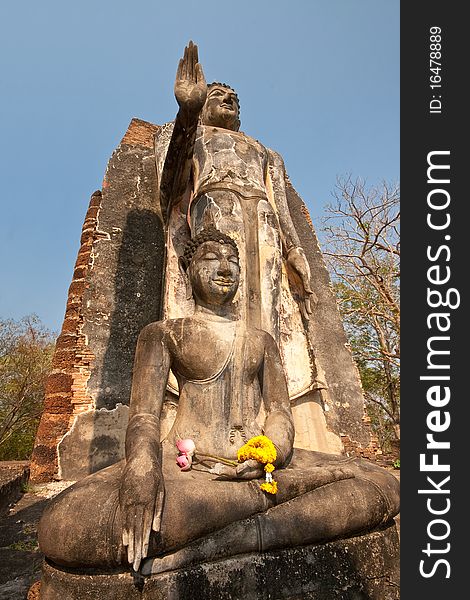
187	447
184	462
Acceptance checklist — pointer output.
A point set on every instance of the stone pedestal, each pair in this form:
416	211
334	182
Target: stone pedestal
360	568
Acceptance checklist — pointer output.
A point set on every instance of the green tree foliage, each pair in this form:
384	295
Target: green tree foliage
362	248
26	349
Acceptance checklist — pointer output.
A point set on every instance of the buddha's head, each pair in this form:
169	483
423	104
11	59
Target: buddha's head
212	265
222	108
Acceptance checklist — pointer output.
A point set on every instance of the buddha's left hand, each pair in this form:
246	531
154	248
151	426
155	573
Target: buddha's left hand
141	500
250	469
297	260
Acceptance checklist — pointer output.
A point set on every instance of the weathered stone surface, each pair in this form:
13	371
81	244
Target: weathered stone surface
115	292
13	475
233	391
58	584
359	568
95	441
123	289
344	410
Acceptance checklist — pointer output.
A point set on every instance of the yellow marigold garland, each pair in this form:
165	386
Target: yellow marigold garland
271	488
261	449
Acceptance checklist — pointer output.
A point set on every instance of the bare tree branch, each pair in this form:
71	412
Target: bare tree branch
361	239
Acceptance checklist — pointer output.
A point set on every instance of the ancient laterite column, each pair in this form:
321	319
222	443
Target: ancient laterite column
113	294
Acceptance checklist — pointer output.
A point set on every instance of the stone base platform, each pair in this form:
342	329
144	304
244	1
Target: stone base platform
359	568
14	474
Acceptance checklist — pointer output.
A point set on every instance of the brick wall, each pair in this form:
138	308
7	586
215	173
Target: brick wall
66	392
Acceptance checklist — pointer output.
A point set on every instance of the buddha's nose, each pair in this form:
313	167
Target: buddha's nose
224	268
227	99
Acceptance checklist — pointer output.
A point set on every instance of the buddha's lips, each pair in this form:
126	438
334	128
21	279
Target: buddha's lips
223	282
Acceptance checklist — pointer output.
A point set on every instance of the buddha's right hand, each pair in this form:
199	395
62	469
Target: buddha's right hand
190	84
141	501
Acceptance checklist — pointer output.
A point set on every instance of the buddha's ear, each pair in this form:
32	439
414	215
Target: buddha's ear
184	272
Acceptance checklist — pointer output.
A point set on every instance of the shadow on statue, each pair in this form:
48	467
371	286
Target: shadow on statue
139	267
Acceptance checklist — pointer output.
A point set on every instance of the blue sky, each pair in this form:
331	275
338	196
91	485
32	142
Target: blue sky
318	81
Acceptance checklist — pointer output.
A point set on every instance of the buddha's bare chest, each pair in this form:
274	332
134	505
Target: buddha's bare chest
200	352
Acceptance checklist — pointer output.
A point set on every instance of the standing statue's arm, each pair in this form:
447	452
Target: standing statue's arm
277	174
190	93
295	254
142	488
279	424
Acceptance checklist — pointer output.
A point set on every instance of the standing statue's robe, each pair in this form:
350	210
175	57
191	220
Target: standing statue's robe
238	186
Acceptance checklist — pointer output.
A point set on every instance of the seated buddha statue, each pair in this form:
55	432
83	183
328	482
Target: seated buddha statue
156	514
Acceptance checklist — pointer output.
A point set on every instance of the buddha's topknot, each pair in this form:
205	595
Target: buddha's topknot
211	234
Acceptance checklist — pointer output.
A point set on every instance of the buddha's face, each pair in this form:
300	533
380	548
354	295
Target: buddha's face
221	108
214	273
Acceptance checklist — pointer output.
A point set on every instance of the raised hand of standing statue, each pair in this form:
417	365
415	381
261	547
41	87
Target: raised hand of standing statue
297	260
190	84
